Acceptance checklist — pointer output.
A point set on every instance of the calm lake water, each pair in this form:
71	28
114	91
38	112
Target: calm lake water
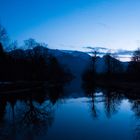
55	114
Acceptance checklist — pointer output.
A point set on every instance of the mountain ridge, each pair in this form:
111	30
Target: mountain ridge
75	61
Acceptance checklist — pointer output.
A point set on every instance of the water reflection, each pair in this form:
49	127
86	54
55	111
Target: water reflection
24	115
37	114
112	100
135	106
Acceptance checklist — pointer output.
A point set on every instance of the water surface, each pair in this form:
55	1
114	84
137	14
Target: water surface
52	114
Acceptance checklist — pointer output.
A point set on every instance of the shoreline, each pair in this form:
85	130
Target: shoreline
129	88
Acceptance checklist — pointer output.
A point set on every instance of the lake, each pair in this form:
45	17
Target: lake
56	114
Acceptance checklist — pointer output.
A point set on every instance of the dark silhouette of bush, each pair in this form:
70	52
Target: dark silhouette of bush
134	66
31	68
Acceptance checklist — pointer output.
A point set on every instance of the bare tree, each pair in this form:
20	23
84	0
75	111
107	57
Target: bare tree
30	43
94	57
13	45
136	55
113	65
4	39
94	52
108	62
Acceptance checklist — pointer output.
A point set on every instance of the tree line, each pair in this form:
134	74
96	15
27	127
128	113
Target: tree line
31	65
28	64
114	69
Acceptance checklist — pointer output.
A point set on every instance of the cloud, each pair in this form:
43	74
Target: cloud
96	48
124	52
103	51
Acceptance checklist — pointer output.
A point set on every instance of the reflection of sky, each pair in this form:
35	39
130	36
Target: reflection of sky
73	24
76	119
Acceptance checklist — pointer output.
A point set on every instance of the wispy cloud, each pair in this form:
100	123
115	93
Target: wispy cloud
96	48
103	51
124	52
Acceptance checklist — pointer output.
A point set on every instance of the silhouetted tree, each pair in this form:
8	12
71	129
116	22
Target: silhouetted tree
94	57
89	74
108	63
3	36
1	50
134	66
30	64
113	66
56	72
13	45
30	43
136	56
2	62
112	101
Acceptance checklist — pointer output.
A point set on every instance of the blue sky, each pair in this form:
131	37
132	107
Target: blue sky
74	24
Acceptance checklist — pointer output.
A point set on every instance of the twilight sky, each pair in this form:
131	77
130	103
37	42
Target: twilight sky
74	24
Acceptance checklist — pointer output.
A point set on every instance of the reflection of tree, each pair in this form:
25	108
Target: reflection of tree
137	132
136	108
2	108
55	93
90	91
35	115
28	114
112	101
94	110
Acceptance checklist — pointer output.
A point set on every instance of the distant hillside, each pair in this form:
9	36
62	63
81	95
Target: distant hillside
75	61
